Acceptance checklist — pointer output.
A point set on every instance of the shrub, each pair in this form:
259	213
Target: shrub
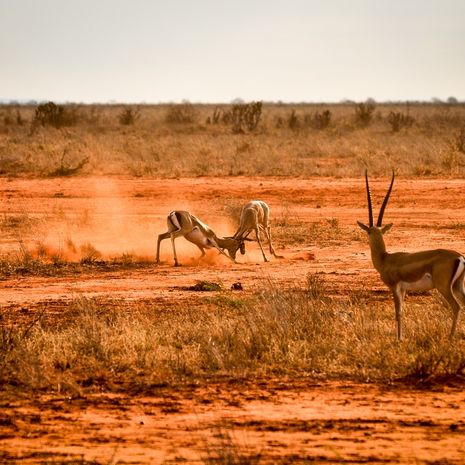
66	169
220	116
129	116
279	122
19	118
246	116
399	120
57	116
364	113
9	119
215	118
318	120
183	113
293	121
459	142
89	254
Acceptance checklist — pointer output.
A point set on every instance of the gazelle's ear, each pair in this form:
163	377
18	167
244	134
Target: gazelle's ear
363	226
386	228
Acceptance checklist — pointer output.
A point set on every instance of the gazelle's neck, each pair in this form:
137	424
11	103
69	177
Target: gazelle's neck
223	243
377	247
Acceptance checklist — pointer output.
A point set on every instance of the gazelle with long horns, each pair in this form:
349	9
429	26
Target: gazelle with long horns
439	269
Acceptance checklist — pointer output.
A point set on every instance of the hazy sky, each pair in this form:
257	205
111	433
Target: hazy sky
215	50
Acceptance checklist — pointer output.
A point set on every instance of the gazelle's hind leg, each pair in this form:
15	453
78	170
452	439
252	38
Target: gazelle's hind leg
174	231
173	237
459	294
451	299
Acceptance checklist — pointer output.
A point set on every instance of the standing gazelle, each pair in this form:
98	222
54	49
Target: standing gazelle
255	217
183	224
439	269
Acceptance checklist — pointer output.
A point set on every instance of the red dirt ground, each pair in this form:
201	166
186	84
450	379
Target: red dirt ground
285	421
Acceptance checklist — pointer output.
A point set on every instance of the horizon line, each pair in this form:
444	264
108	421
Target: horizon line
431	101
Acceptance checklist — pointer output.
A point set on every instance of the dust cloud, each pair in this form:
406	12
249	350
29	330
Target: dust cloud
101	220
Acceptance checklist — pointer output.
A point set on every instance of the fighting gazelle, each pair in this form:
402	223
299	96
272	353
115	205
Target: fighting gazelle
255	217
183	224
439	269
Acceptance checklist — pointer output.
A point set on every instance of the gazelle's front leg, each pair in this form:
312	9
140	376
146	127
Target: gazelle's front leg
268	235
201	250
399	295
257	233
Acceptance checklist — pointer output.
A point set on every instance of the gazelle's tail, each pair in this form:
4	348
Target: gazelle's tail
459	273
174	220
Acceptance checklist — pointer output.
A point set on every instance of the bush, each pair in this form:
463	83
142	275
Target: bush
9	119
242	117
216	117
318	120
399	120
57	116
183	113
364	113
246	116
459	142
293	121
129	116
65	169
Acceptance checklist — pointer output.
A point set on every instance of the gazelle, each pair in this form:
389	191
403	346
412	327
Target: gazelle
255	217
439	269
183	224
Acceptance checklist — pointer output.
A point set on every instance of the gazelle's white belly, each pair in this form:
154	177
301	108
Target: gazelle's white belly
197	237
423	284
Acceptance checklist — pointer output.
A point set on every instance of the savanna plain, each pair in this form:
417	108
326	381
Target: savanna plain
107	357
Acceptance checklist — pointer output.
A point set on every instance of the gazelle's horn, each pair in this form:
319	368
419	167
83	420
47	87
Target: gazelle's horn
385	201
370	207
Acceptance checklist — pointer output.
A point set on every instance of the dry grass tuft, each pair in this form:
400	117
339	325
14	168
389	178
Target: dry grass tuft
226	449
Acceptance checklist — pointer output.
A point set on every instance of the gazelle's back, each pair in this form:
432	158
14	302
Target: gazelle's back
254	211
